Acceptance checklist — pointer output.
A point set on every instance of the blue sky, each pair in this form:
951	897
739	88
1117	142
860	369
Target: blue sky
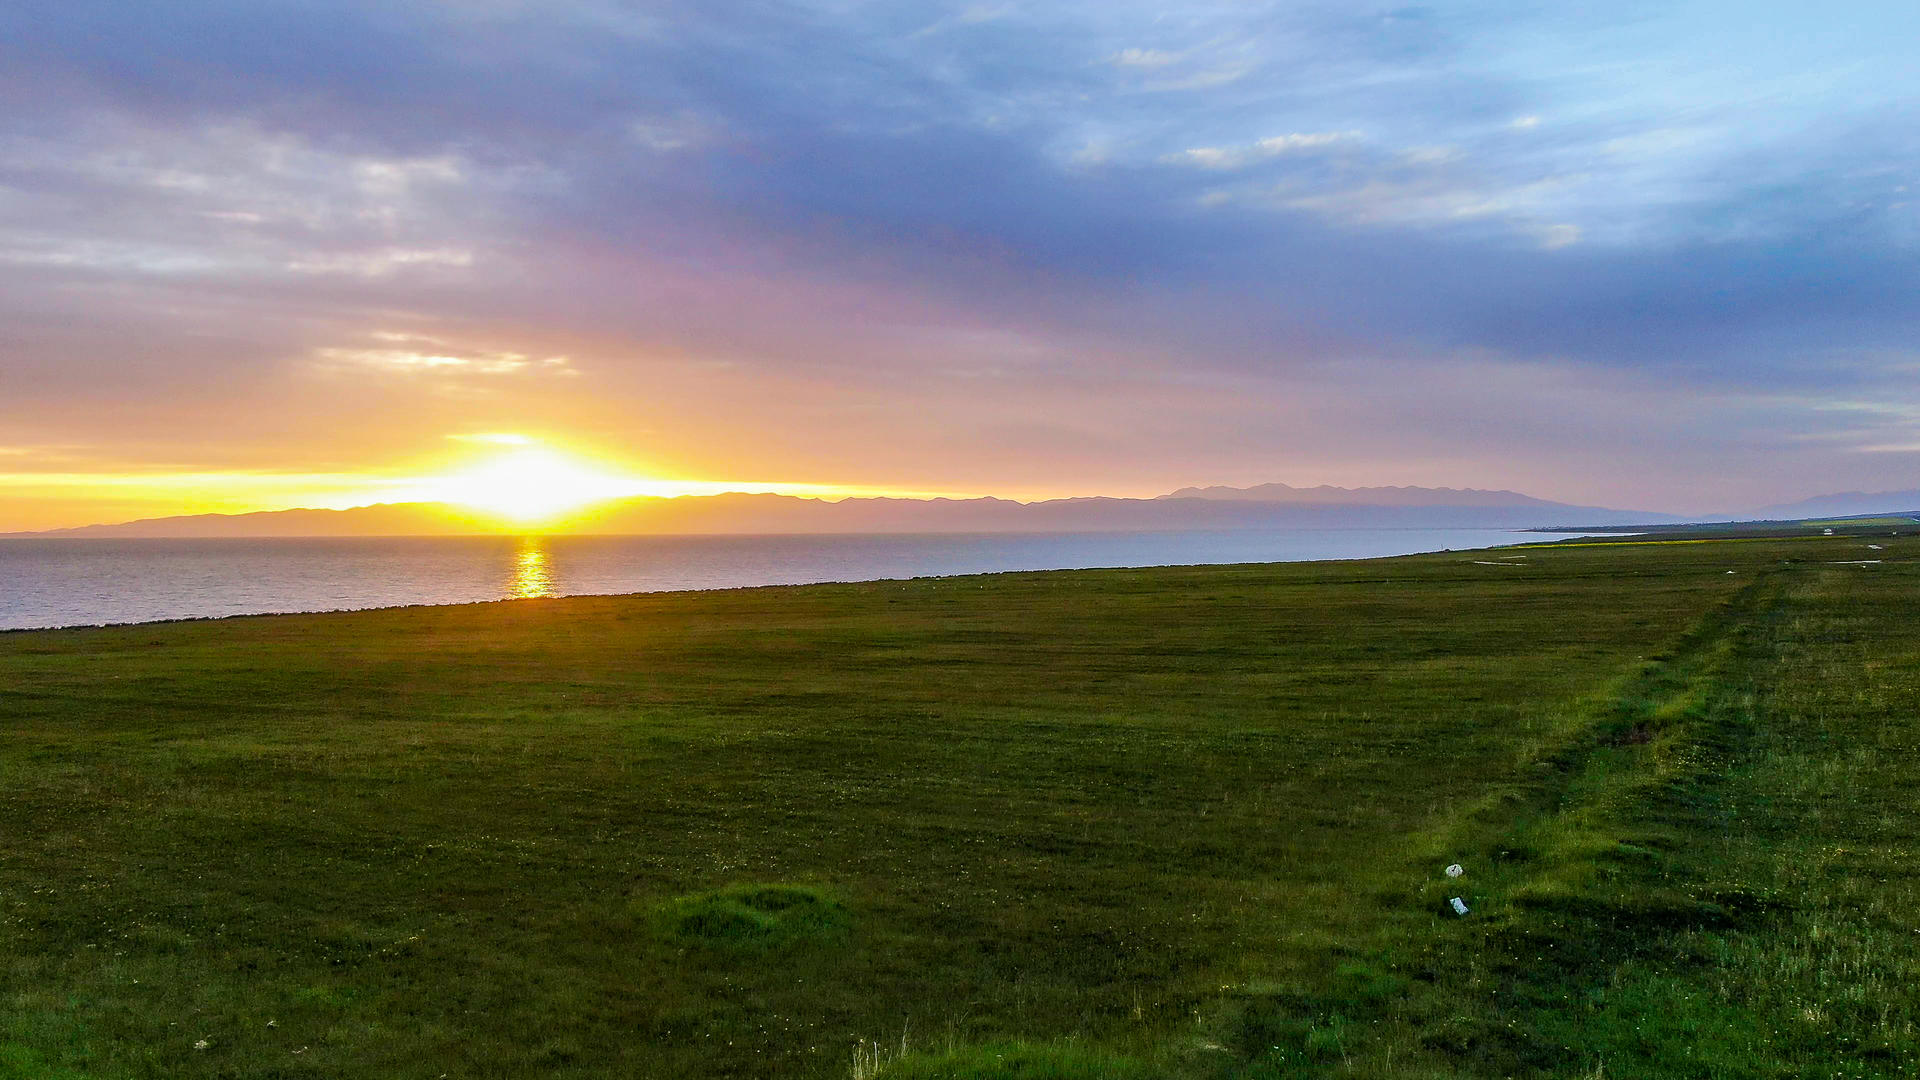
1652	255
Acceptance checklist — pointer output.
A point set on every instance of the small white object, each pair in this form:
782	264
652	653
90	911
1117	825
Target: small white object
1456	870
1459	906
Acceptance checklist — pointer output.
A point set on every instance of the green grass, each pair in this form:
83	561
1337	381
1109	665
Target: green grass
1004	1061
1186	822
754	918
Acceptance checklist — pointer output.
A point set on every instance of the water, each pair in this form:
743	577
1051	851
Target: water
45	583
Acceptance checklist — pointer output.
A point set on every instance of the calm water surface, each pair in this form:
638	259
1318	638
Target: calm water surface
46	583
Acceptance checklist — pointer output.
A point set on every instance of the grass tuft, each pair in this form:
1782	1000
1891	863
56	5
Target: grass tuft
755	918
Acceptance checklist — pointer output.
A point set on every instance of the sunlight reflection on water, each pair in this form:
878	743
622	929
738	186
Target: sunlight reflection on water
532	577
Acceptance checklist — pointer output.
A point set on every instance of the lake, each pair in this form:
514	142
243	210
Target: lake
49	583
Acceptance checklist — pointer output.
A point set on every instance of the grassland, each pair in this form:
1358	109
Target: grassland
1184	823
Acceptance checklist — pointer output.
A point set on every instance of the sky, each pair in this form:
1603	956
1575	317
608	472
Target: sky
258	254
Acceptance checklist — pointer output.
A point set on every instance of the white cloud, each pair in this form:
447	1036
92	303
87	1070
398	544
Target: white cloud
1426	200
380	263
1236	157
668	134
417	354
973	15
1555	237
1656	142
155	259
1143	58
1431	155
387	178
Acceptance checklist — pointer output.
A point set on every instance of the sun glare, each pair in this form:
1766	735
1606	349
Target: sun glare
531	486
523	485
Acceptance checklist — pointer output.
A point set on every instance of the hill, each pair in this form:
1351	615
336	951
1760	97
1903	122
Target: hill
1327	495
1841	504
385	519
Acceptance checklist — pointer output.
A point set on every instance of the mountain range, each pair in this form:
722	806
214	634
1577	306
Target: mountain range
1326	495
1264	506
1841	504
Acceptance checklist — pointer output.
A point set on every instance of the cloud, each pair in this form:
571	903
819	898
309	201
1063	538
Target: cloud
823	195
411	354
1144	58
1553	237
381	263
1238	157
1423	198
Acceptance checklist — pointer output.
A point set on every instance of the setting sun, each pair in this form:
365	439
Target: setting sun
531	486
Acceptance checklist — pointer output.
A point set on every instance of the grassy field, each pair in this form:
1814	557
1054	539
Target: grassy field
1180	823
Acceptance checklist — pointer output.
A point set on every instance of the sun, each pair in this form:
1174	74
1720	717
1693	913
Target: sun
526	485
531	486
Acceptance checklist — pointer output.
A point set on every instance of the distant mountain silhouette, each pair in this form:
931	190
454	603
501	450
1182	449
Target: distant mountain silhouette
739	513
1327	495
1841	504
383	519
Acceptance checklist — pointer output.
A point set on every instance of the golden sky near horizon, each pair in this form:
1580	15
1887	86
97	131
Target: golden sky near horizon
508	479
